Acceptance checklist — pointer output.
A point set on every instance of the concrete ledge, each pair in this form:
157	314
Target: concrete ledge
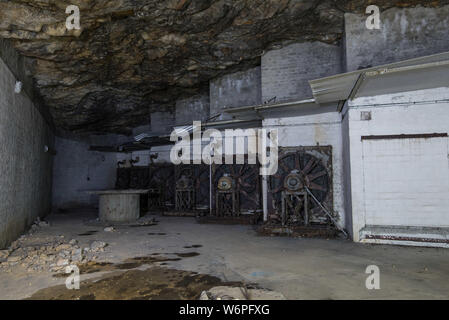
406	235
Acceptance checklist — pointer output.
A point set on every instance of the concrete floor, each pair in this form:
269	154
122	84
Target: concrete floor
298	268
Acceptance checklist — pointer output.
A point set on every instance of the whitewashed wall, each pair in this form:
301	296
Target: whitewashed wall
403	182
323	128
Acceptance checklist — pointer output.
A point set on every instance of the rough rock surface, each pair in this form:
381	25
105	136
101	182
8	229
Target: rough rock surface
134	56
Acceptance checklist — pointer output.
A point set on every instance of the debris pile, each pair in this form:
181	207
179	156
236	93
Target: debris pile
240	293
51	254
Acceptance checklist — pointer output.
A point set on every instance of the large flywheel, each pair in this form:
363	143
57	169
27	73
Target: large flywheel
246	181
299	170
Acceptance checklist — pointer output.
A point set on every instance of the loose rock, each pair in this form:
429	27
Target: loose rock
97	245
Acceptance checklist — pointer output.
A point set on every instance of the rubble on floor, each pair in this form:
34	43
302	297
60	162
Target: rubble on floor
53	254
144	221
240	293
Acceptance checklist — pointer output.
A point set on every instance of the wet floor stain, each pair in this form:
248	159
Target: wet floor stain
130	263
151	284
140	261
88	233
193	246
187	254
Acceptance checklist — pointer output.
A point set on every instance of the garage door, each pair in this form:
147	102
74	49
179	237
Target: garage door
406	181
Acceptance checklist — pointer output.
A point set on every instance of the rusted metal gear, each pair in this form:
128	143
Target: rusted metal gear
247	182
297	170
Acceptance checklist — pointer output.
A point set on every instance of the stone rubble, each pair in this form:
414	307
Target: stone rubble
239	293
53	255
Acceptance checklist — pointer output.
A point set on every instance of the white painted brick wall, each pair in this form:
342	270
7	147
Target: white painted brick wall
310	130
425	164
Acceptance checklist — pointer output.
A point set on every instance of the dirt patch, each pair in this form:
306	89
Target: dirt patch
89	267
150	284
94	266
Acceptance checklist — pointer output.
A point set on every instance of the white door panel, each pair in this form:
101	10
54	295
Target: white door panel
406	182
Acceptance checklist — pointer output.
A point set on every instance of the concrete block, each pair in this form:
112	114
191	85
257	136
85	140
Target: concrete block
404	34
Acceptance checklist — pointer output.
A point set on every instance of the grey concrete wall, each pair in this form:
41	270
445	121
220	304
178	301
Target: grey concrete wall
77	169
25	167
162	122
404	34
346	157
286	71
192	109
235	90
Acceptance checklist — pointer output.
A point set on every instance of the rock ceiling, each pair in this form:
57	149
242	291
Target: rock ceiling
131	57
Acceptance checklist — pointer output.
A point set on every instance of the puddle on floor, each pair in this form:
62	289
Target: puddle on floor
187	254
130	263
193	246
139	261
151	284
88	233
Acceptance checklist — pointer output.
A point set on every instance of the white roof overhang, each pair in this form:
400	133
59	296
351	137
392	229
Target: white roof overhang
414	74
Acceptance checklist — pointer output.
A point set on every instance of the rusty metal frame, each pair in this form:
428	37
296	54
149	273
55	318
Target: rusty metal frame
257	192
315	151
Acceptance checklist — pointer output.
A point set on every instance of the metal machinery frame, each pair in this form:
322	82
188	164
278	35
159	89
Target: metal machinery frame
192	187
304	177
226	197
236	189
185	194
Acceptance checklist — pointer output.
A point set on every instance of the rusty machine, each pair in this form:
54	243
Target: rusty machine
236	192
192	189
162	186
300	193
226	197
185	194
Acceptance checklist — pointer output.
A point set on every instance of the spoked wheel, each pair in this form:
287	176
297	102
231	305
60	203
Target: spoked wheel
312	174
247	184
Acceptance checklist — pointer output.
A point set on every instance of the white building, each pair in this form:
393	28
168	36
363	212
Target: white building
395	124
387	127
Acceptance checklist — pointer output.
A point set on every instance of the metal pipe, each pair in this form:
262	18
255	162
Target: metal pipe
210	188
326	211
265	197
